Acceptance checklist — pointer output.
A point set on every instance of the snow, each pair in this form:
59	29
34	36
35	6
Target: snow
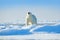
31	32
40	36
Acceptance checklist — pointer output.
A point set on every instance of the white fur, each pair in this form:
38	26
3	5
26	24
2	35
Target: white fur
30	19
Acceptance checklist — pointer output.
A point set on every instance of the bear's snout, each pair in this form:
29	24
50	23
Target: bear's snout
29	13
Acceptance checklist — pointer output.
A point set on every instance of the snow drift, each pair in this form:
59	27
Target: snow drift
31	29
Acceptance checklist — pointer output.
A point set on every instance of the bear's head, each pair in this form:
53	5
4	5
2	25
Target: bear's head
29	13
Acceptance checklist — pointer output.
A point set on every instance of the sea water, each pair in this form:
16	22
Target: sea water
31	32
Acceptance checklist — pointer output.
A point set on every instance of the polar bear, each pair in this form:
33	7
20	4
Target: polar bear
31	19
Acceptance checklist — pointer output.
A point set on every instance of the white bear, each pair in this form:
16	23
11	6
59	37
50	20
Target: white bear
31	19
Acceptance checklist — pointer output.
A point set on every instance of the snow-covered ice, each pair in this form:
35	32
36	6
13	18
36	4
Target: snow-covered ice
31	32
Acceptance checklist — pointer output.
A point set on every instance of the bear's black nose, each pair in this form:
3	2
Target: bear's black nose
28	12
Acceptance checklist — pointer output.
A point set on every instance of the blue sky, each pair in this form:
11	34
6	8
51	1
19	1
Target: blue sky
15	10
4	3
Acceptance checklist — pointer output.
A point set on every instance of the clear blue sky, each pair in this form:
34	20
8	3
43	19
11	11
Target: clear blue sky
15	10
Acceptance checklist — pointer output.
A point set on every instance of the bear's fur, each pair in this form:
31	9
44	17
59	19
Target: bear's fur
30	19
